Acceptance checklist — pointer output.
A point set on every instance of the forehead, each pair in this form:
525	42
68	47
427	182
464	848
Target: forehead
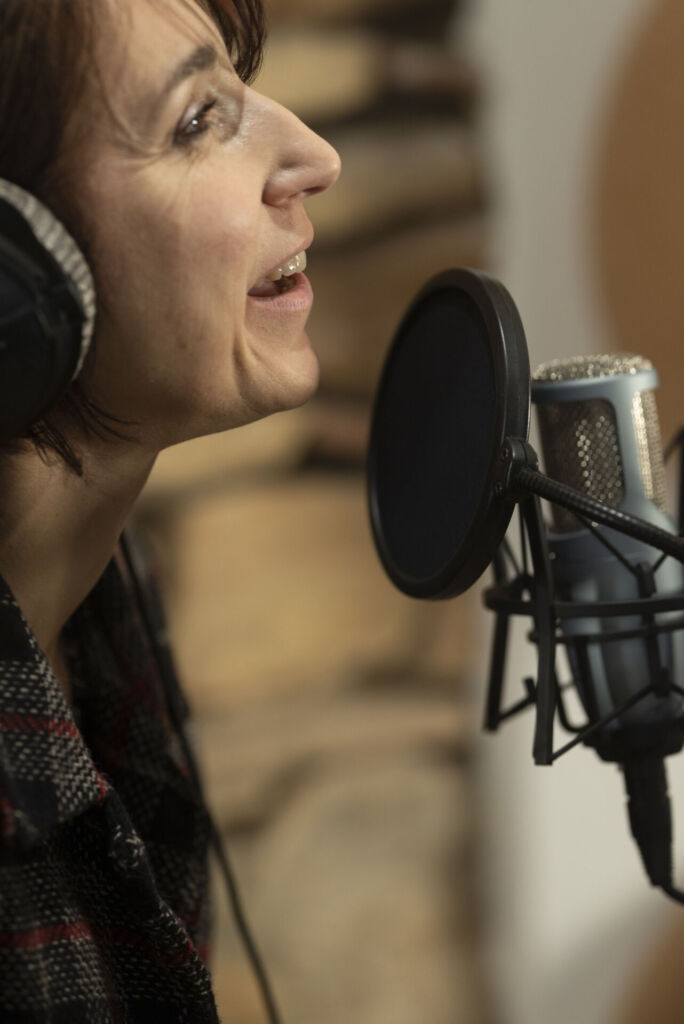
143	40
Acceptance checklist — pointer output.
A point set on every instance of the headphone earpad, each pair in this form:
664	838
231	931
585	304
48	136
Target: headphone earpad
47	309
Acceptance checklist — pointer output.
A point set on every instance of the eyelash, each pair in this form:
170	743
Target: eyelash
185	136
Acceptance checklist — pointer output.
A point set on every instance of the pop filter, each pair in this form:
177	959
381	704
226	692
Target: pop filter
455	386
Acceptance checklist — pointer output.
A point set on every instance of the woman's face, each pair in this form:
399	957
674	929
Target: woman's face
191	190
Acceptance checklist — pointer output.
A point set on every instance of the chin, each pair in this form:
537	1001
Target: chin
287	386
299	381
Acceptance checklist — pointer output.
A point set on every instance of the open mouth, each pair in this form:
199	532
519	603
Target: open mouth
282	280
265	289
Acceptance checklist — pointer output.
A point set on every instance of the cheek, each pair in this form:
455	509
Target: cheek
180	268
212	260
173	267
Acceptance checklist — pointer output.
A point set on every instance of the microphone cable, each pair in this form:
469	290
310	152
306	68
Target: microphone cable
162	657
650	819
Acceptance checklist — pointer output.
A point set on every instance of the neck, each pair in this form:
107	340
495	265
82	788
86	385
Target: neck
58	531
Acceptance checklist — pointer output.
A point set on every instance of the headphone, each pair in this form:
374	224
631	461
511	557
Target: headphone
47	310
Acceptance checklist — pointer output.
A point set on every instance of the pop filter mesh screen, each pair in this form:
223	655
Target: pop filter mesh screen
433	433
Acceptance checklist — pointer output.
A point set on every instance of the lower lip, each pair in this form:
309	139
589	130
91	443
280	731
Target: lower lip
294	300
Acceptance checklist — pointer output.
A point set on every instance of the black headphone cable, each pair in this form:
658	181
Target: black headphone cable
162	656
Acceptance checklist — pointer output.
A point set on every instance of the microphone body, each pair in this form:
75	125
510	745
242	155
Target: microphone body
600	435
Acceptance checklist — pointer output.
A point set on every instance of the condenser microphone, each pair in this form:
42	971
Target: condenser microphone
600	435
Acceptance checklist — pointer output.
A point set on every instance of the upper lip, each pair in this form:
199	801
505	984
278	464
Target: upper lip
303	246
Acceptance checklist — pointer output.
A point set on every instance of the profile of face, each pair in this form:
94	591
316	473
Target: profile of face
190	188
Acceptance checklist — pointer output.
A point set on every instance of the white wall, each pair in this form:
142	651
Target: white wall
547	65
570	906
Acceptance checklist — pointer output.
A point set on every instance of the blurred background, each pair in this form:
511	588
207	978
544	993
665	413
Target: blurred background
398	865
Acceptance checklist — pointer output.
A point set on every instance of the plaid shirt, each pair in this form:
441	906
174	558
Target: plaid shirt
103	832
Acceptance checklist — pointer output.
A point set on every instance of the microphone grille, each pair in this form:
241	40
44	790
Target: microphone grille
581	449
650	445
580	439
583	367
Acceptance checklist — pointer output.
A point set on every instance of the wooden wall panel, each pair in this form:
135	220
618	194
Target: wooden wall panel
639	204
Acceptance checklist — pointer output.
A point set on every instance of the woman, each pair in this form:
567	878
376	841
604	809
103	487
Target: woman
185	189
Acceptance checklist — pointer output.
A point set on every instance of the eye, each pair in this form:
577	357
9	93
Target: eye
195	127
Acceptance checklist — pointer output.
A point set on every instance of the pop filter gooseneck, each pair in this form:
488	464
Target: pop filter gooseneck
455	387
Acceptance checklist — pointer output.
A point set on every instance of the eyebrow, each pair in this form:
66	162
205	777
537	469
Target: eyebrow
204	58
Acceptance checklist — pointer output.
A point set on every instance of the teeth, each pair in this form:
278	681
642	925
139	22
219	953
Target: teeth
297	265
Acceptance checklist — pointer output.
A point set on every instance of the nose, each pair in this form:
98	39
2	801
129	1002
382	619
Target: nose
304	164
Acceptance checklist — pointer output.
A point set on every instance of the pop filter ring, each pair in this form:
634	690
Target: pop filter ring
503	334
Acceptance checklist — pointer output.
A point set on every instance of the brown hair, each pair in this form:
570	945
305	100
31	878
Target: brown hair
46	49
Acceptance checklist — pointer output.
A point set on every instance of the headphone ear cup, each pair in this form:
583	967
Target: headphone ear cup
47	310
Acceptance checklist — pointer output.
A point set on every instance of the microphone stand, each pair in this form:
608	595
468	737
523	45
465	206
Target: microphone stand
640	749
